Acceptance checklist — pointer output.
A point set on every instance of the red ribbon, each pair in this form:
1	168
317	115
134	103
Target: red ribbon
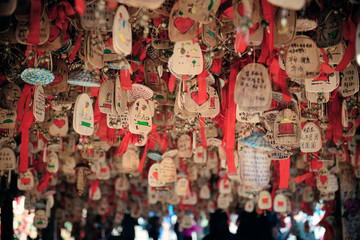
284	173
60	13
80	6
26	117
124	143
44	182
142	161
94	186
172	81
125	79
35	15
76	48
334	130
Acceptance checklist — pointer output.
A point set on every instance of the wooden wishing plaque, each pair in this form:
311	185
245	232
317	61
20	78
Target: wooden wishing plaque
199	10
167	172
308	194
140	117
39	104
253	89
130	160
214	100
324	83
287	128
122	36
12	93
187	58
249	206
283	35
265	201
106	96
330	28
95	49
254	167
59	125
117	121
89	21
280	203
349	78
7	118
7	159
181	187
322	180
181	28
210	33
25	181
61	73
193	102
153	176
313	97
302	59
334	53
310	140
288	4
184	146
23	29
120	100
83	118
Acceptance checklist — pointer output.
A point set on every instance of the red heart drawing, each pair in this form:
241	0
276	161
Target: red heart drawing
195	98
155	175
59	123
323	179
25	181
183	24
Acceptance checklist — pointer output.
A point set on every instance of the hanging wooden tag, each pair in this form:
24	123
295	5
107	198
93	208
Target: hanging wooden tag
199	10
253	88
210	33
122	184
280	203
302	59
349	78
23	28
200	155
90	21
283	35
130	161
225	186
287	128
122	36
140	117
7	119
223	201
40	219
255	167
39	104
8	8
350	130
330	28
314	97
324	83
106	96
310	140
334	53
251	117
153	176
187	58
249	206
265	201
83	118
292	5
61	73
258	36
193	172
104	171
59	125
7	159
269	119
117	121
344	114
120	97
204	192
193	103
95	49
25	181
52	163
184	146
181	187
167	172
181	28
214	107
322	180
12	93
